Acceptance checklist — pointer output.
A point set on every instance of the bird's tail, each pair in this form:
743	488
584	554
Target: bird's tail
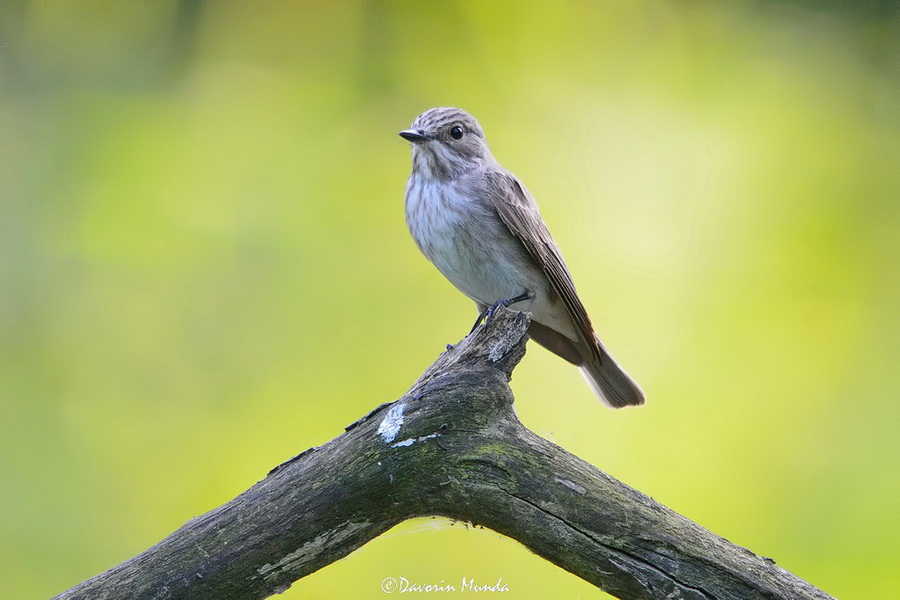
610	383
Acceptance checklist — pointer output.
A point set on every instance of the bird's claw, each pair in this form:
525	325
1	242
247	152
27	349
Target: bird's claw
484	318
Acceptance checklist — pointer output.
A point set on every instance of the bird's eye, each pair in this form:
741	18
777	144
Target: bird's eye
456	132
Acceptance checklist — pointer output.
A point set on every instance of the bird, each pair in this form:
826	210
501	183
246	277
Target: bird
481	228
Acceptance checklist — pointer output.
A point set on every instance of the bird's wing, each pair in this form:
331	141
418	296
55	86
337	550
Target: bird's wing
519	212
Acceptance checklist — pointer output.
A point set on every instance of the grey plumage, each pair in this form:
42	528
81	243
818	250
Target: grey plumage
482	229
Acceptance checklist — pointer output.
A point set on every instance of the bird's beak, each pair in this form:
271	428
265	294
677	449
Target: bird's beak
414	135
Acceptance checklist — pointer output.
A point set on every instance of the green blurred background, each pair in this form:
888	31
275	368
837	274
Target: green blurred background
204	266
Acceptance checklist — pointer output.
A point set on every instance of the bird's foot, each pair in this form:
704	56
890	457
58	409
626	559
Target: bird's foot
487	314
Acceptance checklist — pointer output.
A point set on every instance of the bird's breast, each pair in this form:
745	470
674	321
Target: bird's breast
461	234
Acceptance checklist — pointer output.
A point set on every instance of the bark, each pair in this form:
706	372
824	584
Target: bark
452	446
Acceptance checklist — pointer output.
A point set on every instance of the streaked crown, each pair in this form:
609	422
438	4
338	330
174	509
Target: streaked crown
435	120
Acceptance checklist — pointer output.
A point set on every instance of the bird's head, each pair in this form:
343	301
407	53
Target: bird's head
446	143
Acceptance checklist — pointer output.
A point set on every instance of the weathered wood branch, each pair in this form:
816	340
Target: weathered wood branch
452	446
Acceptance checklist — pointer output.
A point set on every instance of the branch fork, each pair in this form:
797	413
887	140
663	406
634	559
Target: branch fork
452	446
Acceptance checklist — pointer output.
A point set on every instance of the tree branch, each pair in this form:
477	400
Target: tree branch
452	446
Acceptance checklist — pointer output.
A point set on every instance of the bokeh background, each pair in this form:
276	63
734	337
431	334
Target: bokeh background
204	266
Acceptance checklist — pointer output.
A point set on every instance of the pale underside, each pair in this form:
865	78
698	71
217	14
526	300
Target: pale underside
472	247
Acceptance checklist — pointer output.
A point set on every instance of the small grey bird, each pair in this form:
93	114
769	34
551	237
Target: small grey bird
481	228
